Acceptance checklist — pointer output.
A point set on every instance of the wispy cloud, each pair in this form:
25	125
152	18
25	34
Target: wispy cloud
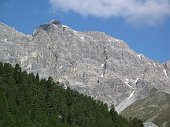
136	12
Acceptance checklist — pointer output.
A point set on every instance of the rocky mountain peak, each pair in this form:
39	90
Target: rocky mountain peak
93	63
56	22
48	28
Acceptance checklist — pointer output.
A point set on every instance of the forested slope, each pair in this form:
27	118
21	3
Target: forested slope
27	101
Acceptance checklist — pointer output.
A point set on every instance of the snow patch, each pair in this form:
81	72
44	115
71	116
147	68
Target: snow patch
109	40
29	35
34	32
165	73
128	85
127	82
117	40
149	124
65	26
136	80
82	37
139	56
154	64
131	95
4	40
102	65
127	79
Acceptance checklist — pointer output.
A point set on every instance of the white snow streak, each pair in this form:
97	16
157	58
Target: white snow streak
127	82
131	95
34	32
165	73
136	80
154	64
65	26
117	40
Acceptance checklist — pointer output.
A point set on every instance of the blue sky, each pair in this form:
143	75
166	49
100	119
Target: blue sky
144	25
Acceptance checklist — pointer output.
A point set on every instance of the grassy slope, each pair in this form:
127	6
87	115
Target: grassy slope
154	108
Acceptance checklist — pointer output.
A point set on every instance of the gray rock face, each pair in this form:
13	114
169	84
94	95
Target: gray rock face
93	63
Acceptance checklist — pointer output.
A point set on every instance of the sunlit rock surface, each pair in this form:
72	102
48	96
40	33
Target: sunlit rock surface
93	63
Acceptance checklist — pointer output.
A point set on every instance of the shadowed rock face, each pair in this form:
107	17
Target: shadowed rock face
93	63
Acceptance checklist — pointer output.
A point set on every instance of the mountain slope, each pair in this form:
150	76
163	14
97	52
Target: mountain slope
93	63
154	108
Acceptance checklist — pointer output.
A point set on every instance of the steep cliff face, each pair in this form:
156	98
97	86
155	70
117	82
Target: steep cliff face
93	63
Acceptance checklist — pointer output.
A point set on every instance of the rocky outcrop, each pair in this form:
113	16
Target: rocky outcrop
93	63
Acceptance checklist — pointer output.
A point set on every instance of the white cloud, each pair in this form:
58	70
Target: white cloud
136	12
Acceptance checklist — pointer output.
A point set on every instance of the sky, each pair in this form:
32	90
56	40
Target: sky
143	24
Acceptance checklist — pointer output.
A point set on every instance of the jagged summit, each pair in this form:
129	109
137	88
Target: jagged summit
56	22
53	28
47	27
93	63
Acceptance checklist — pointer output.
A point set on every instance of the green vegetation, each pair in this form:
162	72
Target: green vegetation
27	101
154	108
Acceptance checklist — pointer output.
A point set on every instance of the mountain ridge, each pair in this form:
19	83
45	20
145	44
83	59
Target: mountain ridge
92	63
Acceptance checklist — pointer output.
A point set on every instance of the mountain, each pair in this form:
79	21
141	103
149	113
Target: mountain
92	63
